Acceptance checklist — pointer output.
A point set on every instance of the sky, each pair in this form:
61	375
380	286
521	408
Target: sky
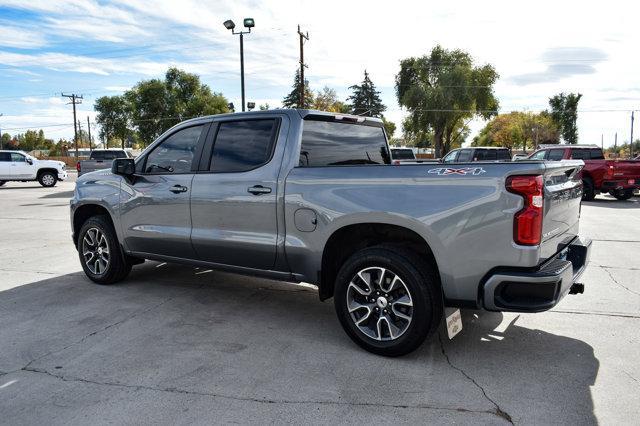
98	48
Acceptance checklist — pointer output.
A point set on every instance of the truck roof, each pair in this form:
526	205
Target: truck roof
303	113
564	146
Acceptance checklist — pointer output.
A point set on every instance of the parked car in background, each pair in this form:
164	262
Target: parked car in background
20	166
518	157
100	159
307	196
480	153
616	177
403	156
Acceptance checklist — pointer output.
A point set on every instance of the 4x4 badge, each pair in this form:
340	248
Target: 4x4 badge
463	171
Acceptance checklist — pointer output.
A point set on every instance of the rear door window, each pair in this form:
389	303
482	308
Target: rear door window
330	143
556	154
596	154
485	155
243	145
5	156
504	154
464	156
580	154
539	155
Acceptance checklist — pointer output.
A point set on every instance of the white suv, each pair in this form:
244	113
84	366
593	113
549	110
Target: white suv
20	166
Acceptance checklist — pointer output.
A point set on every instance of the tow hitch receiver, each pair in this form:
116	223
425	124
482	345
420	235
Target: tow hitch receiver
576	288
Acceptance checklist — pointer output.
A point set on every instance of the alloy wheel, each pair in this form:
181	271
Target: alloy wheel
95	251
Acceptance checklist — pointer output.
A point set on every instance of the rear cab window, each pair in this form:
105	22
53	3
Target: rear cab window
333	143
402	154
580	154
464	156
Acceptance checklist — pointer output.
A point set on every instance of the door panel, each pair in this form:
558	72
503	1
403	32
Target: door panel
234	212
155	204
20	169
155	216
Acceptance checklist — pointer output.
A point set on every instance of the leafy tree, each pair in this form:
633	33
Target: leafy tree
327	100
444	88
518	129
389	126
6	138
292	100
113	117
564	111
365	99
415	135
264	107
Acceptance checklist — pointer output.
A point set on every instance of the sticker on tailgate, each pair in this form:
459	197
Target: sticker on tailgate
445	171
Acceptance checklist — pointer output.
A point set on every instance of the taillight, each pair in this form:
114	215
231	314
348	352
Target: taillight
610	171
78	166
527	224
396	162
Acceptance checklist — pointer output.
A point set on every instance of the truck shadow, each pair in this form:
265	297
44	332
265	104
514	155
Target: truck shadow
195	330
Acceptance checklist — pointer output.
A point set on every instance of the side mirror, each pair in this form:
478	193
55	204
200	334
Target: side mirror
29	160
123	167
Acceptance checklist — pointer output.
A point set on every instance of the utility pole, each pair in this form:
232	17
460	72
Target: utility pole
631	140
303	37
1	134
89	130
75	100
615	145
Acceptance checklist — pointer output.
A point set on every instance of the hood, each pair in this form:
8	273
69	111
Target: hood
52	163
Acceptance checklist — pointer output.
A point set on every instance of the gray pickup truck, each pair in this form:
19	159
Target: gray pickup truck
307	196
100	159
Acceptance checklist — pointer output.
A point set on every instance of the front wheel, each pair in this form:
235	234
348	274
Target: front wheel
100	255
388	300
622	194
47	179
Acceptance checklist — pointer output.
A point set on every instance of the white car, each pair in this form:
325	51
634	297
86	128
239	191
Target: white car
20	166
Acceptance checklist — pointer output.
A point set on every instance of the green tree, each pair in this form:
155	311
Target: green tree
327	100
113	117
6	138
365	99
564	111
518	130
415	135
442	90
292	100
264	107
389	127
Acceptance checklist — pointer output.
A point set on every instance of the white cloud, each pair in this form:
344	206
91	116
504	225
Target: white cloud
13	36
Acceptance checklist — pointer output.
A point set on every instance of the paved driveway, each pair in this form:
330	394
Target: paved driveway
175	344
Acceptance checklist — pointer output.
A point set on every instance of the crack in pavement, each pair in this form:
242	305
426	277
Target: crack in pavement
603	314
498	411
93	333
617	267
620	284
256	400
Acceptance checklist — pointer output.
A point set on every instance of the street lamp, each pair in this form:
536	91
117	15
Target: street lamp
230	25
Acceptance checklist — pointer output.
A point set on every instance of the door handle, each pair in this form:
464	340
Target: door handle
259	189
176	189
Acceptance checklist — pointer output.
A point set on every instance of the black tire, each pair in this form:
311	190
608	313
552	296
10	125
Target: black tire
117	266
419	278
622	194
47	179
588	192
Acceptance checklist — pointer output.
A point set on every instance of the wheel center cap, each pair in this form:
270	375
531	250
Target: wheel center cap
382	302
99	250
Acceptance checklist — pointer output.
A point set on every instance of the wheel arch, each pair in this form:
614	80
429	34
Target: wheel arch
348	239
47	169
85	211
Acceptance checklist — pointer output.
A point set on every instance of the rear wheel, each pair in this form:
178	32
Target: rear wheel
622	194
47	179
588	192
388	300
100	255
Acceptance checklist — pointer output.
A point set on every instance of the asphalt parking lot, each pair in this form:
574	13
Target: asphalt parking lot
174	344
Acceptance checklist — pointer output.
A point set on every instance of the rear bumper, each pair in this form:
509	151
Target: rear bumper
540	289
609	185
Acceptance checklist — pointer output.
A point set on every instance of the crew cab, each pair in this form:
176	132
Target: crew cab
617	177
100	159
478	153
20	166
308	196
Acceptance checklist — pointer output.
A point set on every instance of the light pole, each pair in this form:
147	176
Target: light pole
1	134
248	23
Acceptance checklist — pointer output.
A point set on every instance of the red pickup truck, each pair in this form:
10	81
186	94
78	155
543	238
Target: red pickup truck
617	177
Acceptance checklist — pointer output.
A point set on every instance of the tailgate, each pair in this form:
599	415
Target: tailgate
625	169
562	196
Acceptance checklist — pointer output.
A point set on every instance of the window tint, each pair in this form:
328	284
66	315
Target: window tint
327	143
485	155
596	154
242	145
107	155
5	156
451	157
580	154
504	154
18	158
402	154
538	155
556	154
174	154
464	156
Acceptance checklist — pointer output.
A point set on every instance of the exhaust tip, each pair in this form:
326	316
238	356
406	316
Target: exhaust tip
576	288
